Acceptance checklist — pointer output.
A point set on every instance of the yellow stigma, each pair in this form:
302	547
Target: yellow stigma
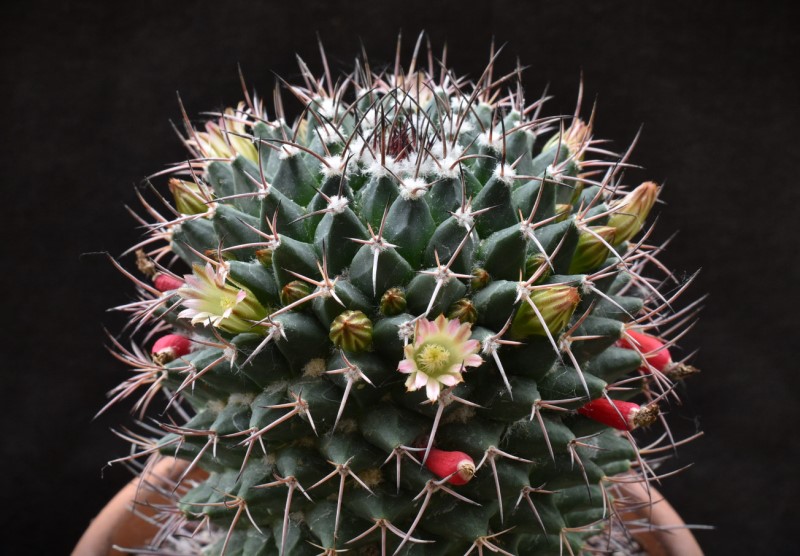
432	359
227	301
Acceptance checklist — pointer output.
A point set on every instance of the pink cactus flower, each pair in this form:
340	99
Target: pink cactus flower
209	298
440	352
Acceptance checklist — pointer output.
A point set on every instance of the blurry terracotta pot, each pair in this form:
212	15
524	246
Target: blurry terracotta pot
117	525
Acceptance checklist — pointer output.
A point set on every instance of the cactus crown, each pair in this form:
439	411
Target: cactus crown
407	323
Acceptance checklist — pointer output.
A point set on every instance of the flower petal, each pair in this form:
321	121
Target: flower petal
432	389
452	327
473	361
471	346
406	366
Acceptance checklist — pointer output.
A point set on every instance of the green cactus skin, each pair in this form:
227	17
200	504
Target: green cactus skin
323	253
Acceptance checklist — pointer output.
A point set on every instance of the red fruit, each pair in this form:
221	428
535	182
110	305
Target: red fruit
165	282
170	347
650	347
457	464
624	416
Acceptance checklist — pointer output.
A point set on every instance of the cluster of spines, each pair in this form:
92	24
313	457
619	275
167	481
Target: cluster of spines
308	284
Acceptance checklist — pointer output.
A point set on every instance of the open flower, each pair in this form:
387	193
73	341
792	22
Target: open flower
440	351
226	137
209	299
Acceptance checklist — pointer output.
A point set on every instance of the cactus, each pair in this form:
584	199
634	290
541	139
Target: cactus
411	322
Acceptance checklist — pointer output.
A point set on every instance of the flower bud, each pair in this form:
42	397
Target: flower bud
218	255
456	465
188	196
534	263
480	279
574	138
264	256
224	138
592	248
169	348
630	212
393	302
555	304
351	331
463	310
294	291
166	283
624	416
562	212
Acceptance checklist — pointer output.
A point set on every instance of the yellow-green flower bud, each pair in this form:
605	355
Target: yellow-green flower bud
393	302
592	248
463	310
264	256
562	212
294	291
480	279
574	138
534	263
554	303
189	197
351	331
630	212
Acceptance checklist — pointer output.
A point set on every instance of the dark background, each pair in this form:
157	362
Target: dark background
88	90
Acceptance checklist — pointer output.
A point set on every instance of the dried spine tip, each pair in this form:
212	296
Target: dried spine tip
679	371
457	466
621	415
144	264
351	331
170	347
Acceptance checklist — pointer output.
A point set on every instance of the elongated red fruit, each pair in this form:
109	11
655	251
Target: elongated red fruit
458	464
649	346
656	355
624	416
165	282
170	347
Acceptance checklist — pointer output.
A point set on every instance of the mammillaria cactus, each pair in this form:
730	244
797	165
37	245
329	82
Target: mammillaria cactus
411	322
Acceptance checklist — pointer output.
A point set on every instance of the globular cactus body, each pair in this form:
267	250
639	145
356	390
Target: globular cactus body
393	324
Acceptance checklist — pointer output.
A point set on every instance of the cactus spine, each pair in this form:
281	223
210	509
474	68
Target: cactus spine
407	323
